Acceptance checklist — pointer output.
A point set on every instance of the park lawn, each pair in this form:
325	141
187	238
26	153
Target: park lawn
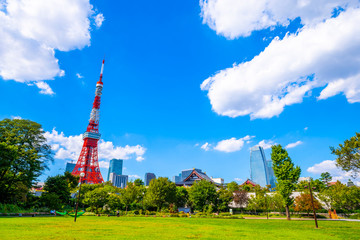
90	227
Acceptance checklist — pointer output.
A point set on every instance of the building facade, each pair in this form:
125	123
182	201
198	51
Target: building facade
261	170
69	167
115	166
118	180
149	177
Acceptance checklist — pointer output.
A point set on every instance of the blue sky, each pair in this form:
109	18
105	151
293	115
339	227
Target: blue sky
186	84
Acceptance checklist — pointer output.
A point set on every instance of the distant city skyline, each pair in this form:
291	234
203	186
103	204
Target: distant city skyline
186	83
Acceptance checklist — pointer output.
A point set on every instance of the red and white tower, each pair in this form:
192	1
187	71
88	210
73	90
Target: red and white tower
88	159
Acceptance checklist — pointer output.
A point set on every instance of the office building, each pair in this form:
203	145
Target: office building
177	178
118	180
148	178
261	170
69	167
218	180
115	166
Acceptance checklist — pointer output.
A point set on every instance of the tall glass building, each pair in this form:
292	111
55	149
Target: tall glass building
69	167
148	178
261	170
115	166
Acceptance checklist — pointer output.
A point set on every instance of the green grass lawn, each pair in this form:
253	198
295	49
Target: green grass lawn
171	228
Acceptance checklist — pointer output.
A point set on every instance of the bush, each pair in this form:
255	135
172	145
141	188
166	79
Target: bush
224	214
10	208
355	216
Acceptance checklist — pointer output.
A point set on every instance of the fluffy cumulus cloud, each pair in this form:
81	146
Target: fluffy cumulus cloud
234	18
69	148
324	53
295	144
232	144
336	173
266	144
31	31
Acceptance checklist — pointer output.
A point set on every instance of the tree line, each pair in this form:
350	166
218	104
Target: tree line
25	154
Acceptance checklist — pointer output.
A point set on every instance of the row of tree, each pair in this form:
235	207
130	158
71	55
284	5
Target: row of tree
24	155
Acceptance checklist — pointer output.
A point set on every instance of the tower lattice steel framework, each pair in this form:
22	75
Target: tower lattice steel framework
88	159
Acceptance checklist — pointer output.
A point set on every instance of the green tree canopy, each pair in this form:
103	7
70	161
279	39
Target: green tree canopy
325	177
23	156
233	186
61	186
161	193
201	194
182	197
348	154
286	175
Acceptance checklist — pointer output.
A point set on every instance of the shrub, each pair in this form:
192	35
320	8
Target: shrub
355	216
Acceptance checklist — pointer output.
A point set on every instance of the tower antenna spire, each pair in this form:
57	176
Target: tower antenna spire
88	160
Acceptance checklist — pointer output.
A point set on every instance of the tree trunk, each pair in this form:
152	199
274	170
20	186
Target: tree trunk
287	212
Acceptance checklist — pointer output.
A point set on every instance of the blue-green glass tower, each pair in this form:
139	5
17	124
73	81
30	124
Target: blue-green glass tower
261	170
116	166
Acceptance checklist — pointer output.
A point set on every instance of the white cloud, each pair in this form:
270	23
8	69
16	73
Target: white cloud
206	146
16	117
234	18
336	173
44	88
140	158
232	144
30	33
266	144
70	147
238	179
325	54
306	128
134	176
295	144
78	75
104	164
99	20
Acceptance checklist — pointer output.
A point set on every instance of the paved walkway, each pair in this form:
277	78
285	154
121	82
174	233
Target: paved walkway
306	219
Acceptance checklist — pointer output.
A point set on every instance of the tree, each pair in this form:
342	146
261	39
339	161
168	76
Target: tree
348	155
139	182
59	186
286	174
132	194
316	184
96	199
241	198
303	203
225	196
326	178
182	197
341	197
233	186
161	193
259	201
201	194
23	156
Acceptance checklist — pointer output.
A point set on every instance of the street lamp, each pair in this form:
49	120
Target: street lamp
77	204
312	203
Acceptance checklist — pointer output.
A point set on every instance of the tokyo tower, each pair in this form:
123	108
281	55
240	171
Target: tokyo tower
88	159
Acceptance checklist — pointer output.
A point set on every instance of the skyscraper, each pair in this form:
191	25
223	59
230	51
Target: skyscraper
118	180
115	166
69	167
148	178
261	170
